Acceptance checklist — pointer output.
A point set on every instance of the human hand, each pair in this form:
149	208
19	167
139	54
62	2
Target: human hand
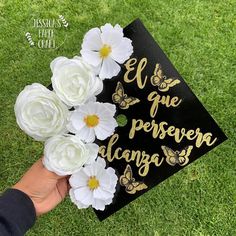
45	188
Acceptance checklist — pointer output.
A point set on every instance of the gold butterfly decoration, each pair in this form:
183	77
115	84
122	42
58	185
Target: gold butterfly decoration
122	99
131	185
177	157
160	80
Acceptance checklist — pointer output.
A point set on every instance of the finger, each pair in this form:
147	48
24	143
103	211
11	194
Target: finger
63	187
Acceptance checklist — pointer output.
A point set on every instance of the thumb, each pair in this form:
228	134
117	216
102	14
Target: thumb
63	187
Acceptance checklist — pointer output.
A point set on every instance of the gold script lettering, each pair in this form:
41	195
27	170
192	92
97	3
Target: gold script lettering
129	65
157	99
141	158
162	129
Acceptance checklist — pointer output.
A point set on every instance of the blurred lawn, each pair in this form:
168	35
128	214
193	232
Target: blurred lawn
200	38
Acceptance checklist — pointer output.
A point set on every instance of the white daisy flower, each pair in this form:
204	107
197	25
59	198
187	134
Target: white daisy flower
106	47
93	119
93	185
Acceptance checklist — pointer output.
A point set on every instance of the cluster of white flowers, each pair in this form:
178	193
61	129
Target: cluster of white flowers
46	115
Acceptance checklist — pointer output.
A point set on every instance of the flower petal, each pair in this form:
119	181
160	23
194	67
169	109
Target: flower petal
103	134
100	161
86	134
113	178
91	57
111	35
72	196
118	28
108	201
108	182
123	51
109	69
79	179
92	40
84	195
105	129
93	152
96	85
99	193
99	204
78	203
57	62
91	170
111	108
76	122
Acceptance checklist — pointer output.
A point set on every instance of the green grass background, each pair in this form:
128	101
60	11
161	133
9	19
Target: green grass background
200	38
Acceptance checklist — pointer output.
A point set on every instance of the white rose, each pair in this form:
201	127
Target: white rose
65	155
40	113
74	81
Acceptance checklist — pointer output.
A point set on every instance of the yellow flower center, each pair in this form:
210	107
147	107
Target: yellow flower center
91	120
93	183
105	51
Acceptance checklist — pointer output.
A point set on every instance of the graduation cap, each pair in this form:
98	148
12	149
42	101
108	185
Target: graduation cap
163	127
